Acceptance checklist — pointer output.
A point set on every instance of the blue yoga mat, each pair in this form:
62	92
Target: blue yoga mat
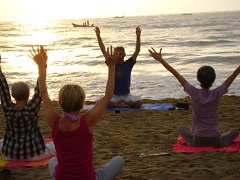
161	106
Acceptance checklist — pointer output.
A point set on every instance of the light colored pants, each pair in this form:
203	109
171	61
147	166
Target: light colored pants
49	152
107	172
125	98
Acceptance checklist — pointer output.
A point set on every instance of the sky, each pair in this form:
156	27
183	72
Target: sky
77	9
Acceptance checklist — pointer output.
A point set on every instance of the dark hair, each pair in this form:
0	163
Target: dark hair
206	76
120	48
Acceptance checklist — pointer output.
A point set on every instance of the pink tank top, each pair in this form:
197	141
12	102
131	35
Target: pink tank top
74	152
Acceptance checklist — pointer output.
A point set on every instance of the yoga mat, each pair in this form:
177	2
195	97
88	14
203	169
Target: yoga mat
161	106
12	163
181	146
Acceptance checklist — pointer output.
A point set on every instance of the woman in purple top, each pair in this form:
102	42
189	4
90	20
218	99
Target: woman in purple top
72	132
205	103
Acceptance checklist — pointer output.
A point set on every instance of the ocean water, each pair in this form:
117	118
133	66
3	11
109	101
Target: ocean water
188	42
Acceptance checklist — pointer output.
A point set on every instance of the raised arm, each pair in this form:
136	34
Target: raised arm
4	90
231	78
138	43
100	43
99	108
40	58
0	64
158	57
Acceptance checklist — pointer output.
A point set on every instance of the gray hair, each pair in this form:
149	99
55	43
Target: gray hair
20	91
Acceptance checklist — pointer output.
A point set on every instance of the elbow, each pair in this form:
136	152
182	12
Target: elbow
109	95
137	50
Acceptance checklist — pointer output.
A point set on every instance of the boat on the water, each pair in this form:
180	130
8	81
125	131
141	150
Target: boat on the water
186	14
118	17
81	25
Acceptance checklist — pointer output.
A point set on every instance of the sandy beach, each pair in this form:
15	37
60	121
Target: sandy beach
130	133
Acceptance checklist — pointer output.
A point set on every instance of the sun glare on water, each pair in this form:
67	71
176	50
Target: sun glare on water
33	33
37	32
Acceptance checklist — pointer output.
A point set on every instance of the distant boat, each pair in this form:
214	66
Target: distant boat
186	14
80	25
118	17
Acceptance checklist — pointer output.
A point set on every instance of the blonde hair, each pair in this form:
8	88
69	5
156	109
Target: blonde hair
20	91
71	97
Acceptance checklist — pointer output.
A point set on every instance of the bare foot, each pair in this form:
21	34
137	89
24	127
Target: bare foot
123	104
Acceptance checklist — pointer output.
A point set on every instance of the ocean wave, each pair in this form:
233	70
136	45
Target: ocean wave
216	59
206	43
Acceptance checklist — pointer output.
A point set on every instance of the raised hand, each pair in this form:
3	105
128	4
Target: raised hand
155	55
97	31
39	56
110	58
138	30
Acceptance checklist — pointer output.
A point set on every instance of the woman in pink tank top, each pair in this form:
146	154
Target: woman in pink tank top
72	132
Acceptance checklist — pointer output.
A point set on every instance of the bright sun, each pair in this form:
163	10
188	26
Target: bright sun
54	9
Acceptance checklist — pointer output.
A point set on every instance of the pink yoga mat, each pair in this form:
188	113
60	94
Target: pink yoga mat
181	146
42	162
